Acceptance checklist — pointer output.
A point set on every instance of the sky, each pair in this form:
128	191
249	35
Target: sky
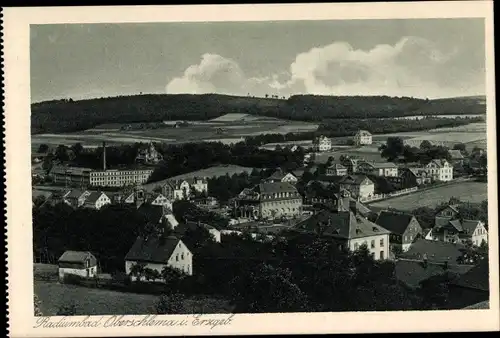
430	58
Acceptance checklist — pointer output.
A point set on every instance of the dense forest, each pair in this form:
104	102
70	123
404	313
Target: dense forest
69	116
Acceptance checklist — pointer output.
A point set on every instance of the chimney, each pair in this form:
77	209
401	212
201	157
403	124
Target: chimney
104	155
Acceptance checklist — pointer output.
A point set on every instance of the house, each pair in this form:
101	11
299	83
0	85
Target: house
336	169
80	263
348	228
351	163
269	201
290	178
358	185
159	200
385	169
322	143
472	287
148	155
319	192
450	226
158	252
76	197
404	228
96	200
413	177
433	252
440	170
277	176
362	137
456	157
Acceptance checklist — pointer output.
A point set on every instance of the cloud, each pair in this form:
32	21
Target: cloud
411	67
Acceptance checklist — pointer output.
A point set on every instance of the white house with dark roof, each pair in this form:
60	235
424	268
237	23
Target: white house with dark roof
322	143
269	200
385	169
158	252
80	263
440	170
96	200
363	137
76	197
404	228
336	169
349	228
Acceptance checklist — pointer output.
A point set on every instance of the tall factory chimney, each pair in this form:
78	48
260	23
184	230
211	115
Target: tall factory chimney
104	155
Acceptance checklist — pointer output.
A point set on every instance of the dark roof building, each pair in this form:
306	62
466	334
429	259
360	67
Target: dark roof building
395	222
152	249
434	251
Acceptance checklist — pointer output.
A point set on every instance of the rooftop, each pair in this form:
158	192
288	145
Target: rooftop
343	224
476	278
152	249
436	251
395	222
74	256
413	272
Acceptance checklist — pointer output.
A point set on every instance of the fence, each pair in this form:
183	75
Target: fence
378	197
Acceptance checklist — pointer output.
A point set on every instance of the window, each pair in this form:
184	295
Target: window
382	255
177	257
372	244
182	256
382	243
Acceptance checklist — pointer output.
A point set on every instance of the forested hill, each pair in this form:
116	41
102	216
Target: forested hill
68	115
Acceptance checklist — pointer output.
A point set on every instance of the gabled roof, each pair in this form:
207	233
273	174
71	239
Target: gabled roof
275	187
343	224
476	278
70	170
75	256
94	196
337	166
436	251
413	272
395	222
439	162
456	224
152	249
75	193
354	179
380	165
277	175
362	132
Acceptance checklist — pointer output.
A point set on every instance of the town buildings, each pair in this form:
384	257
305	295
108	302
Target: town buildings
450	226
351	163
322	143
79	263
336	169
440	170
119	177
359	186
96	200
148	155
386	169
411	177
348	228
179	188
155	253
404	228
70	176
269	201
457	159
362	137
280	176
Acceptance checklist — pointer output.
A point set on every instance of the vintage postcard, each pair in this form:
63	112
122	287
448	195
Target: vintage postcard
251	169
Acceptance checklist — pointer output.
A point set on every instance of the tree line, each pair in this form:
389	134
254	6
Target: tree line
68	116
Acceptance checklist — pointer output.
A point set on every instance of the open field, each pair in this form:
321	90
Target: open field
229	130
216	171
473	192
89	301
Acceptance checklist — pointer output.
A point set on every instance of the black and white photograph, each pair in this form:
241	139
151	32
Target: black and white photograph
259	167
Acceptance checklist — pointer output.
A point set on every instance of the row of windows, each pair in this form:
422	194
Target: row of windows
372	244
120	173
270	204
280	195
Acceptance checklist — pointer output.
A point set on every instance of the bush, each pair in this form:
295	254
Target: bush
72	279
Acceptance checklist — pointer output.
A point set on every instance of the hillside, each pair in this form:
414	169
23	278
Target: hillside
68	115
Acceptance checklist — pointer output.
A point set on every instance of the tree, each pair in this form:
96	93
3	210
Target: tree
62	153
267	289
434	291
171	304
459	146
43	148
425	145
77	149
393	148
137	270
172	277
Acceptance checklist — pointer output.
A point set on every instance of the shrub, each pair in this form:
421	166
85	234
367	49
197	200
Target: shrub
72	279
